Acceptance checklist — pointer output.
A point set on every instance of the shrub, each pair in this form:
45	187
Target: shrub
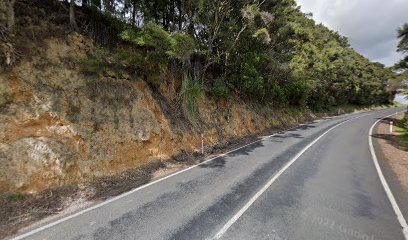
15	197
151	35
252	82
277	93
220	90
91	65
183	46
298	93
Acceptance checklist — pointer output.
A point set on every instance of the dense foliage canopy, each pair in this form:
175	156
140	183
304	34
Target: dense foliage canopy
262	50
403	47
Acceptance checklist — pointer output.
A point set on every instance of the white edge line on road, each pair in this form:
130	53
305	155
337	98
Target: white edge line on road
384	183
49	225
272	180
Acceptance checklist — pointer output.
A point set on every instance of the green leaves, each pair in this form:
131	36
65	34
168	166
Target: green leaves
403	34
182	46
262	35
266	51
179	46
249	12
403	47
151	35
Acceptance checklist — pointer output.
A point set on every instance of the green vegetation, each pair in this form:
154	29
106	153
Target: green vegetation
402	129
399	105
403	47
189	95
15	197
262	51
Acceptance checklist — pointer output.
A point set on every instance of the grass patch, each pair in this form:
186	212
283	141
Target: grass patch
402	130
15	197
399	105
189	94
403	133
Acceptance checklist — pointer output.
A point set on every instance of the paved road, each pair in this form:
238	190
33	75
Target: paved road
332	191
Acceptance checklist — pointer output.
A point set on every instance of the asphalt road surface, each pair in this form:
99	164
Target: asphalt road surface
331	191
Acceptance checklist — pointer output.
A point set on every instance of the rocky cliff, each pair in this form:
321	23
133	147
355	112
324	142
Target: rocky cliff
59	126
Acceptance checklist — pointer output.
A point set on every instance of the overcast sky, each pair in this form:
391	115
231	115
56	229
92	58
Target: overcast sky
370	25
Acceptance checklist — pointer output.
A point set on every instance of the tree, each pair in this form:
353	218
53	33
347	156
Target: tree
7	17
262	50
403	46
7	22
72	20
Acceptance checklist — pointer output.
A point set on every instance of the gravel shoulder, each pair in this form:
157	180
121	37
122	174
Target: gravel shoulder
393	156
393	149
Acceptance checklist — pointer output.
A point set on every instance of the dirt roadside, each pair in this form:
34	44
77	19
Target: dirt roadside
393	150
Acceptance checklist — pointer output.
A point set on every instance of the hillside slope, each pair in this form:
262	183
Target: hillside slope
63	125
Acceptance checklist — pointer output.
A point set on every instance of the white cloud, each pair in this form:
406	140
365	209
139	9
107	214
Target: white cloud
369	24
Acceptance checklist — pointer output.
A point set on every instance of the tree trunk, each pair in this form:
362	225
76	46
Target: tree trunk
97	4
133	15
10	15
72	20
108	6
3	13
180	16
7	18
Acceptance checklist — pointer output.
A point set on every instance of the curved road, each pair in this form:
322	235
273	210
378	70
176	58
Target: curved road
330	191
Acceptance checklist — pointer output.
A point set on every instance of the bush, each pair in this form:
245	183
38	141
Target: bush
404	121
252	82
15	197
277	93
92	65
118	60
151	35
220	90
183	46
298	93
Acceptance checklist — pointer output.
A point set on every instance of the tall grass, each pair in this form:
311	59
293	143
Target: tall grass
402	130
189	95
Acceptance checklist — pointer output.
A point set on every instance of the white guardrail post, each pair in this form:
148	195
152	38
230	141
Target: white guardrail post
391	126
202	144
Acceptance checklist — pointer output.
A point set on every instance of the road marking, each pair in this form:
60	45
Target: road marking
273	179
49	225
384	183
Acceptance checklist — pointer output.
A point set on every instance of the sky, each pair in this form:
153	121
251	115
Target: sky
370	25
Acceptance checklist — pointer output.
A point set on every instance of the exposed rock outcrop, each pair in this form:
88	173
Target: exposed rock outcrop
62	127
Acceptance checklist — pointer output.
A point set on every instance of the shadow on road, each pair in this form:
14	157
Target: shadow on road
303	127
221	161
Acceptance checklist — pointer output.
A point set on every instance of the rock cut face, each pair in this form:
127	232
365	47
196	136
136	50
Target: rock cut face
59	127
